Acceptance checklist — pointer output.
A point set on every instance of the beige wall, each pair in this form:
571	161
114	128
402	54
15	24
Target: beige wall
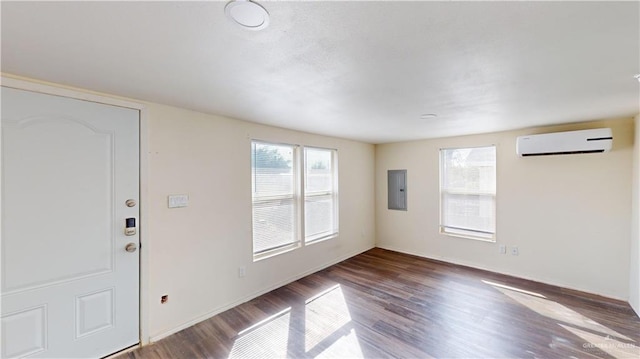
195	252
634	273
569	215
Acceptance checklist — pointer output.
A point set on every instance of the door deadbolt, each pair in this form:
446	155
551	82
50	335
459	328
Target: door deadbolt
131	203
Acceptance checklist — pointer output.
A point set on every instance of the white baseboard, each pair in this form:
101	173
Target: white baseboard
456	262
251	296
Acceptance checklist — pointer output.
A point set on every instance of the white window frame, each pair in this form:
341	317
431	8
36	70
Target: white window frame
299	177
333	232
294	197
467	232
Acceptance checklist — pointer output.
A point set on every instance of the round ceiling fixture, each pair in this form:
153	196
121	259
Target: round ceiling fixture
428	116
248	14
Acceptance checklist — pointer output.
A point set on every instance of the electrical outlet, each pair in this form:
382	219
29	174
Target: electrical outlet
514	251
164	299
242	271
502	249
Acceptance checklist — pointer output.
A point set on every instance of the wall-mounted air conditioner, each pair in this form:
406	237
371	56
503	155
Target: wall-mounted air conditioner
564	143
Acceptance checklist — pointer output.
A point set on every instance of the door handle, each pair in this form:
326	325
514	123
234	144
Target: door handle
131	247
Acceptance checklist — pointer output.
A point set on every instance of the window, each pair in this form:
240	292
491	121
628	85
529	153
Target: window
468	192
278	210
319	194
275	197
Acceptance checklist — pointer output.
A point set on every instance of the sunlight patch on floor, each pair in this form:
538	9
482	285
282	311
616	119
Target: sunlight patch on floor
346	346
328	331
265	339
498	285
325	316
556	311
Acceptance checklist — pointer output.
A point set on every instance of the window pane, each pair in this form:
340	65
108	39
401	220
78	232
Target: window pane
320	198
468	187
319	171
273	224
472	212
318	216
272	169
274	196
469	170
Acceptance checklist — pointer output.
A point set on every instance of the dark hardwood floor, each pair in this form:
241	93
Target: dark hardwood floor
384	304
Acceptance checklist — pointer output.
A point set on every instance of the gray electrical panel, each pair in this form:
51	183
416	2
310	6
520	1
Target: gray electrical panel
397	189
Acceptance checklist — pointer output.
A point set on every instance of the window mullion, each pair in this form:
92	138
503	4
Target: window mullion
300	160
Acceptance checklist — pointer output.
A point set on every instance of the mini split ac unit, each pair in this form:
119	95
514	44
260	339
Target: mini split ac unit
564	143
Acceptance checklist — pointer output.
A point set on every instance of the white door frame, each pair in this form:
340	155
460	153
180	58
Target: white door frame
21	83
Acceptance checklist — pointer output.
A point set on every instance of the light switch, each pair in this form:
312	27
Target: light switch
178	200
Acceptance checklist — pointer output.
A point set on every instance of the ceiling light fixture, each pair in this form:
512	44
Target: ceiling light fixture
637	77
428	116
248	14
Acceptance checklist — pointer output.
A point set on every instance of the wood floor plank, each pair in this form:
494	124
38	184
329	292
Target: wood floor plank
385	304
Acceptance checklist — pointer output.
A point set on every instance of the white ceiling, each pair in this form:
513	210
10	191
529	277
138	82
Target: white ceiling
359	70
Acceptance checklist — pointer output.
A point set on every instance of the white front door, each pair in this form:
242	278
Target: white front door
69	287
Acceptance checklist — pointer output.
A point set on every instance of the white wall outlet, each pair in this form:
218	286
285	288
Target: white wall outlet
502	249
514	251
178	200
242	271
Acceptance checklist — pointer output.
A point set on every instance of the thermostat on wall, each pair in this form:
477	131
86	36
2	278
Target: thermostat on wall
178	200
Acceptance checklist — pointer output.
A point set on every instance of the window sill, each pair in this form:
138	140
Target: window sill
467	236
321	239
275	252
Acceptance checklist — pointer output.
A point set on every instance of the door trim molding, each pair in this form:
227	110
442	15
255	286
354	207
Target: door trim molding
33	85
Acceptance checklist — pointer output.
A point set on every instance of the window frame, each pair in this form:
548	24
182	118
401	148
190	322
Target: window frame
333	232
294	197
298	198
466	232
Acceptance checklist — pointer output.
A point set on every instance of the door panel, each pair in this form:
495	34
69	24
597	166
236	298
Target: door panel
69	288
24	332
88	231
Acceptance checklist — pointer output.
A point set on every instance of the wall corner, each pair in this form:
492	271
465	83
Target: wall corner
634	271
